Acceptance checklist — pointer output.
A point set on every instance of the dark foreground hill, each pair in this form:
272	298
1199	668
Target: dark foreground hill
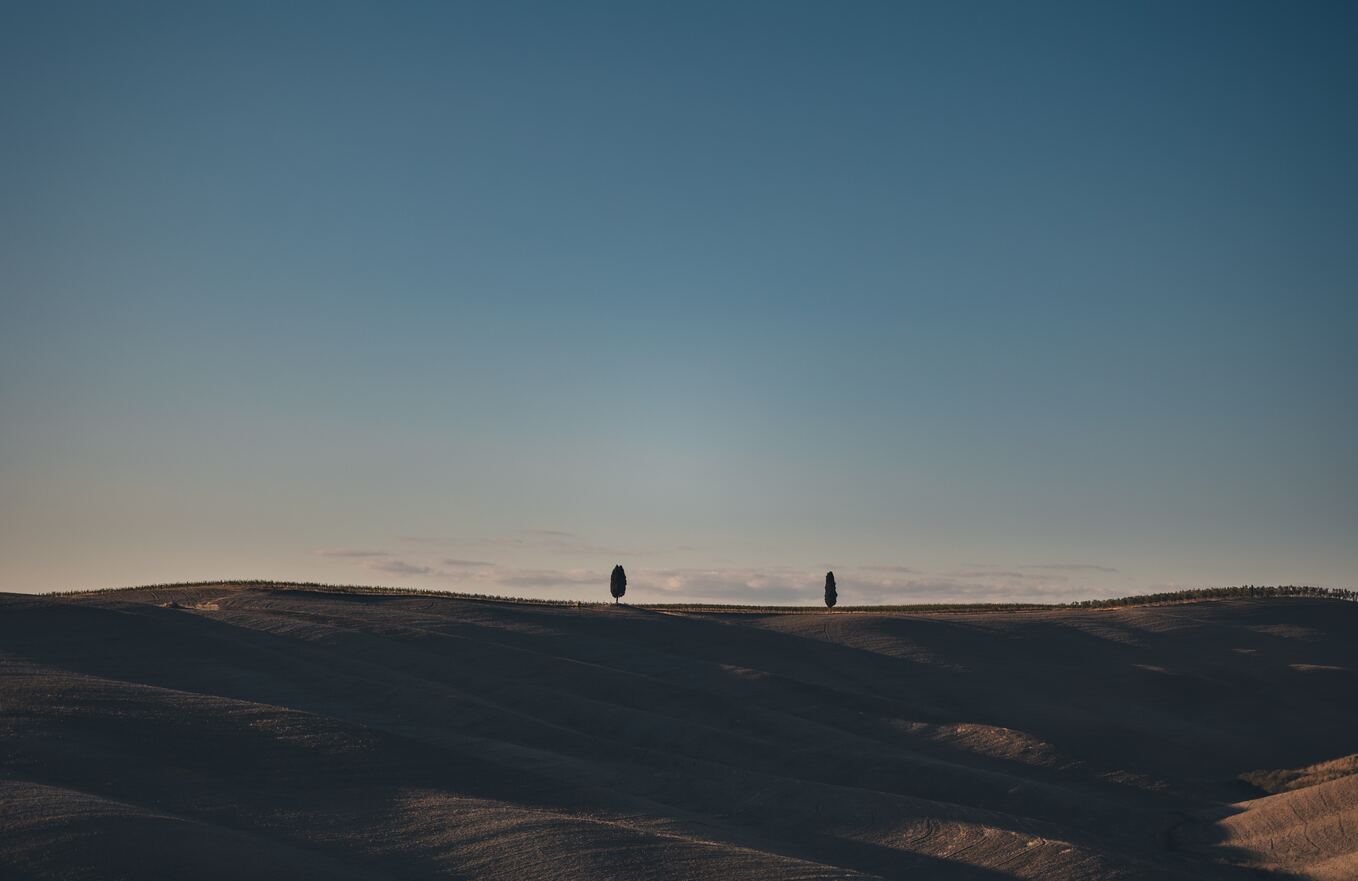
223	732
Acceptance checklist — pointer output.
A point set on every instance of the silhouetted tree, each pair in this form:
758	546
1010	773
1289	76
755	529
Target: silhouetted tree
830	595
617	585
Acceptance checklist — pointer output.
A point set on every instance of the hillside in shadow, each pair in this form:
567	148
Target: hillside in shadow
219	731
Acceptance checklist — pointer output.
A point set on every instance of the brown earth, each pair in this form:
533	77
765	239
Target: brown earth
225	732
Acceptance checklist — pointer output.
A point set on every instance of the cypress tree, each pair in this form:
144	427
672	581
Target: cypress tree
617	585
830	595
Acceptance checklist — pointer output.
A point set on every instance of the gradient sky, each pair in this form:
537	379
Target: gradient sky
966	300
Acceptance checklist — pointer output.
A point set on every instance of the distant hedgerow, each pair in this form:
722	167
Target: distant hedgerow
1249	591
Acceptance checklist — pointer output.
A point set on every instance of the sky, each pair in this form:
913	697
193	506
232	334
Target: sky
963	300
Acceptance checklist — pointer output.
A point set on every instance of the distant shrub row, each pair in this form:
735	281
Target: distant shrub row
1248	591
1178	596
1220	593
315	587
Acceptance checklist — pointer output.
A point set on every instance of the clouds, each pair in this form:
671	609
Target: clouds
543	578
384	561
732	584
869	584
401	567
857	585
544	541
1007	574
560	564
349	553
951	589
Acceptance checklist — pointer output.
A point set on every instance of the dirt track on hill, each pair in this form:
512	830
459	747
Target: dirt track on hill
221	732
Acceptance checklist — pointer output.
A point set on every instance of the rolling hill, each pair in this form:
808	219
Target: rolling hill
227	731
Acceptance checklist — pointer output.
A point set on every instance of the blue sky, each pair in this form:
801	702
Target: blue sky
964	300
